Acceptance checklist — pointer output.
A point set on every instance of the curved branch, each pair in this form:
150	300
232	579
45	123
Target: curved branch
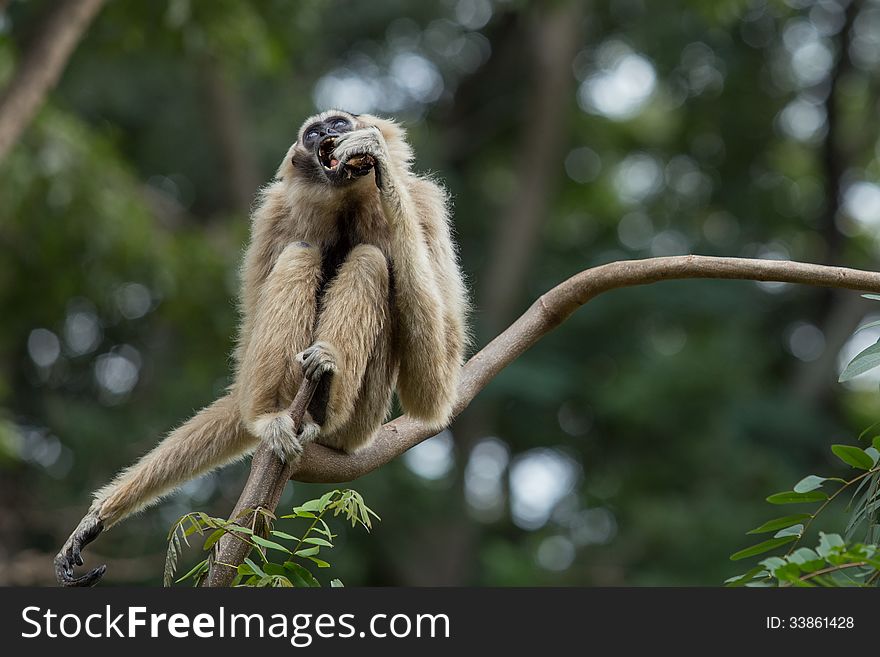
325	465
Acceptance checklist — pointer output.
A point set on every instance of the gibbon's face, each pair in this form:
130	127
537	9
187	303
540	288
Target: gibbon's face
313	154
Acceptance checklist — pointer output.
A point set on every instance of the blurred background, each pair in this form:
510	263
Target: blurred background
634	445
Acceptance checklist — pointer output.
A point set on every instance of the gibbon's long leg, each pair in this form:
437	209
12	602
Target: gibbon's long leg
268	376
371	408
283	325
211	438
354	314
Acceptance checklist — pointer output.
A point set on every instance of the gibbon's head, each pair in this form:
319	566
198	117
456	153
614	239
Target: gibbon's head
311	159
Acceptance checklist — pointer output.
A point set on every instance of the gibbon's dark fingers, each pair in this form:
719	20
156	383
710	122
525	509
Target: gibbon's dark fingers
354	148
70	555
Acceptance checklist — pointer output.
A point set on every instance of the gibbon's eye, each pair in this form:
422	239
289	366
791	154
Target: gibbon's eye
311	135
339	124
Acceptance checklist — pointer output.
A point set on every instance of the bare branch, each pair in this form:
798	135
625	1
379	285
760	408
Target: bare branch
321	464
41	67
263	489
325	465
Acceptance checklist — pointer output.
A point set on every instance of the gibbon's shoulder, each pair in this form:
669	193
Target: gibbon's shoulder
432	200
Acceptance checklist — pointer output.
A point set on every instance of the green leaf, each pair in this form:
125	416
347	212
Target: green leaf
308	552
854	456
807	559
873	453
790	572
200	567
875	297
864	361
171	557
320	563
794	530
326	499
761	548
311	505
318	541
829	544
808	483
780	523
772	564
273	569
742	580
301	575
284	535
790	497
266	543
254	567
875	442
336	583
213	537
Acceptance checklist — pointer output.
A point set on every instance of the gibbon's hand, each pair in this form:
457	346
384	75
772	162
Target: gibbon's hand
71	554
367	141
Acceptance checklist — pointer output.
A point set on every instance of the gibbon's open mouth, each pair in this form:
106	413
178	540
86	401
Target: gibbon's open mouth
325	154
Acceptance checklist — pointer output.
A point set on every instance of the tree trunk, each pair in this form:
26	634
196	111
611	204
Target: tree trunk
41	67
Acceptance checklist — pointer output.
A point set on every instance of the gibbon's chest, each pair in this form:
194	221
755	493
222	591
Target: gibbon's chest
352	227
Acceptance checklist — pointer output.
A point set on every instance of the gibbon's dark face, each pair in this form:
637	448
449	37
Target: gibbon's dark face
314	156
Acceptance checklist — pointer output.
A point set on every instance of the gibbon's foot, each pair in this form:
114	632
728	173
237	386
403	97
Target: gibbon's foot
278	431
317	360
308	430
71	554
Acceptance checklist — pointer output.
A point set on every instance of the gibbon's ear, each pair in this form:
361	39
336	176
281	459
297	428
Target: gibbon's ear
286	167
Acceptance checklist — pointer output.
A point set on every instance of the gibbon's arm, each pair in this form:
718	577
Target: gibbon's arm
259	259
430	356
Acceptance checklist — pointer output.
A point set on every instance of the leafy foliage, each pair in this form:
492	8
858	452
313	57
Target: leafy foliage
299	553
837	560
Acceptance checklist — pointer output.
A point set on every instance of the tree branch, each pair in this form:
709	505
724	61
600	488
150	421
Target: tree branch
325	465
263	489
41	66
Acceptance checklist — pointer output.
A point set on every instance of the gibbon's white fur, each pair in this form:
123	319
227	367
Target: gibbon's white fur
354	279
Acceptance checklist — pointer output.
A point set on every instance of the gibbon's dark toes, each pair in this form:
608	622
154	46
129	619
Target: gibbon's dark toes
64	571
316	361
89	579
71	554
